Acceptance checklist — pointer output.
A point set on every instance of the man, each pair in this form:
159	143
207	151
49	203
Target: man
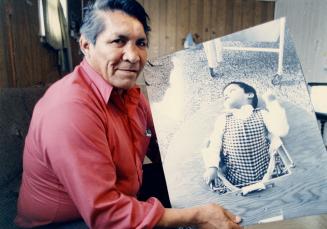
89	134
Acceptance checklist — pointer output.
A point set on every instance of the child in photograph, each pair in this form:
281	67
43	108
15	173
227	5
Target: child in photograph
240	143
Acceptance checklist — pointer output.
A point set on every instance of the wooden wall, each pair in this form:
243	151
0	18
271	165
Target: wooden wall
25	61
172	20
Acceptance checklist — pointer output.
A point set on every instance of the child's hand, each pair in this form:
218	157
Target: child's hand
210	175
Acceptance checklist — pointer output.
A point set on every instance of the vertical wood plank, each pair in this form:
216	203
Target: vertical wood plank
229	19
206	20
270	10
171	25
221	17
237	15
146	5
196	19
153	9
258	13
182	22
162	27
34	62
248	8
5	61
213	18
264	13
3	69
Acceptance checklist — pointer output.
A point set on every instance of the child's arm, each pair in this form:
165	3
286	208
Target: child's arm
211	152
271	166
276	122
275	143
275	116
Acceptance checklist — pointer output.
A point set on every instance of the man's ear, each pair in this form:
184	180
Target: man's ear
84	45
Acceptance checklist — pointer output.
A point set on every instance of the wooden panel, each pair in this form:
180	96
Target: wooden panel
3	46
237	15
25	61
196	17
220	13
172	20
171	26
206	20
213	19
34	63
152	7
270	11
264	11
247	13
182	22
162	27
229	17
258	12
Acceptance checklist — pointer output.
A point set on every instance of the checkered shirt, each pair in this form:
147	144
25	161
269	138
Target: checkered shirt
245	149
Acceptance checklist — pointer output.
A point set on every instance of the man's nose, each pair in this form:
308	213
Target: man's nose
131	53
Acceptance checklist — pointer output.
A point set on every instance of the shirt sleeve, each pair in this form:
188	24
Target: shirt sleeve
275	119
77	150
211	152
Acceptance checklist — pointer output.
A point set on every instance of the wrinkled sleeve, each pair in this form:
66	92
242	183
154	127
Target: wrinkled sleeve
211	152
78	152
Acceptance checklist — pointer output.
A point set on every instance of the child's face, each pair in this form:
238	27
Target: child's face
235	97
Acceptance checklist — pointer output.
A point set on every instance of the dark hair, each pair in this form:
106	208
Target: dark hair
93	24
247	89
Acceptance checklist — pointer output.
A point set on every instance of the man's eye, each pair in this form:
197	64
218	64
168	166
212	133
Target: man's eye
142	43
118	41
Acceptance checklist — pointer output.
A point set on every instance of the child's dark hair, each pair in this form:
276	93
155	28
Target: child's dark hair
247	89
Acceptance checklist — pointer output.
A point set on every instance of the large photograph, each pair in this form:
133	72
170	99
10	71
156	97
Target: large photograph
236	126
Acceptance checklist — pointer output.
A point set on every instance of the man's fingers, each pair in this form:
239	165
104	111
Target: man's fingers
231	216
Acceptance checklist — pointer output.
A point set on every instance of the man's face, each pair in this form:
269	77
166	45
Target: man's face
235	97
120	51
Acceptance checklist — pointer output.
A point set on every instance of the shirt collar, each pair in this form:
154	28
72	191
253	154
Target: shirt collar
129	101
103	86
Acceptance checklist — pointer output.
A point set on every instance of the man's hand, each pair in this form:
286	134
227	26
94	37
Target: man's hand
213	216
210	175
210	216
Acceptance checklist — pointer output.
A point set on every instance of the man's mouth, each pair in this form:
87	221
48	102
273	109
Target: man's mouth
129	70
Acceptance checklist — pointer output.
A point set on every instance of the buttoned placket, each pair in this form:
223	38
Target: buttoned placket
121	104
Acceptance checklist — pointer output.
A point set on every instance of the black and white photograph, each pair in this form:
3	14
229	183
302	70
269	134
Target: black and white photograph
236	126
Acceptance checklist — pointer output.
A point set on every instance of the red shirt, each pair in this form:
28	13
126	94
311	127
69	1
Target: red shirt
83	156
